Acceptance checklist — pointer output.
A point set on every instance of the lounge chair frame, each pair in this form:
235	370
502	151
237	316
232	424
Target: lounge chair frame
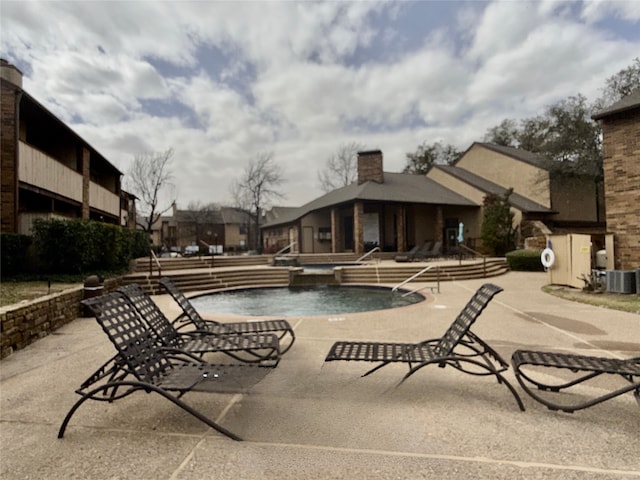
263	348
410	255
190	315
458	348
142	365
585	366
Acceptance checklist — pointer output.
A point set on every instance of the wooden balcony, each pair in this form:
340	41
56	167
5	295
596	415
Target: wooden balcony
40	170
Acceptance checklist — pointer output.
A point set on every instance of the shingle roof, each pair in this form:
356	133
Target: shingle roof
517	153
629	102
518	201
397	188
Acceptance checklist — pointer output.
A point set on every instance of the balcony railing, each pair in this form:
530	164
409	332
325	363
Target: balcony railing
40	170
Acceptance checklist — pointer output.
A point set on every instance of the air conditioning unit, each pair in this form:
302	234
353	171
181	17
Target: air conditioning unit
621	281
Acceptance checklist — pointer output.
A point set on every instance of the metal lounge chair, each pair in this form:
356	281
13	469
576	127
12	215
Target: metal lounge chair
458	347
142	365
432	252
410	255
528	362
249	347
282	328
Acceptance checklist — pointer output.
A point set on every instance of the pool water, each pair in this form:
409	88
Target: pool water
303	301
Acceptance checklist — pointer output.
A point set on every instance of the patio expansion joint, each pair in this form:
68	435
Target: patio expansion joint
553	327
453	458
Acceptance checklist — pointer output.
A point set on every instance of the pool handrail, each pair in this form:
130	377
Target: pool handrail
152	257
288	247
373	250
416	275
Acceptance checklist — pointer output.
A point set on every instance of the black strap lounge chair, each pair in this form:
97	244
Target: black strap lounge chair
408	256
142	365
250	347
432	252
458	347
281	328
527	363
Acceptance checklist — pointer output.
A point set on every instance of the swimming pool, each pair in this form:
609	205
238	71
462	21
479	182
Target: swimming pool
303	301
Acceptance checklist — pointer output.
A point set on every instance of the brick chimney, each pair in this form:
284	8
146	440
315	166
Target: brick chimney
10	73
370	167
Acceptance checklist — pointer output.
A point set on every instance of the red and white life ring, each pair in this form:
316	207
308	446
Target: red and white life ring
547	258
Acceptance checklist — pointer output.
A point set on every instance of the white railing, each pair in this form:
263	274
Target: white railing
288	247
370	252
413	277
152	257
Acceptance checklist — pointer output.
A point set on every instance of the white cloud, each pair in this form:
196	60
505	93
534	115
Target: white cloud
597	10
222	81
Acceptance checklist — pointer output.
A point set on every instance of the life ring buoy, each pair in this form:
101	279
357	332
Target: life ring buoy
547	258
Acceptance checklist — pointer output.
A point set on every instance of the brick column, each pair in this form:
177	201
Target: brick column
86	183
336	231
439	237
9	125
401	240
358	227
621	164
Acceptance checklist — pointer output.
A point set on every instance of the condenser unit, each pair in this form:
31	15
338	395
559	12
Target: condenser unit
621	281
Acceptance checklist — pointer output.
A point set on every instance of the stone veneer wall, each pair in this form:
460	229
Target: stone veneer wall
24	323
621	151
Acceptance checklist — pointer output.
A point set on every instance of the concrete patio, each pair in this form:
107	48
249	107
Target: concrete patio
310	420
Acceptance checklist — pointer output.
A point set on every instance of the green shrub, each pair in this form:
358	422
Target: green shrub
525	260
84	246
13	250
497	232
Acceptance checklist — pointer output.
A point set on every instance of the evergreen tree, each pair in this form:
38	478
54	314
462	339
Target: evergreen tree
497	231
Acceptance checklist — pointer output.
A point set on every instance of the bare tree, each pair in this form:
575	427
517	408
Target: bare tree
150	174
257	186
202	223
341	168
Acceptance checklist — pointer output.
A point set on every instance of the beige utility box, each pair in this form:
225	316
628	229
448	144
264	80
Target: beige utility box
572	259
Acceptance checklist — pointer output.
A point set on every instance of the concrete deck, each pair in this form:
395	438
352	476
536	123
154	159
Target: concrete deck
310	420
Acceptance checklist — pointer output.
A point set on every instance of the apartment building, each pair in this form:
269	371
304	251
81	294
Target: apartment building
48	171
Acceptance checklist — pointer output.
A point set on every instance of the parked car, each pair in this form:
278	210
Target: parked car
191	250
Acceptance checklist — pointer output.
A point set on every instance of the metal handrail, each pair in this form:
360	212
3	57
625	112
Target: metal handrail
154	257
288	247
478	254
422	288
412	277
373	250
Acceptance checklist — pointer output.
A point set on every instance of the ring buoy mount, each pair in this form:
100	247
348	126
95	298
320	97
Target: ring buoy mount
547	258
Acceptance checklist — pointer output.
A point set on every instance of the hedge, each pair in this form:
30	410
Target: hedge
73	247
525	260
13	250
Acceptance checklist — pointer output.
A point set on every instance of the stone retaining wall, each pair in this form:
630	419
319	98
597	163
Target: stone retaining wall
24	323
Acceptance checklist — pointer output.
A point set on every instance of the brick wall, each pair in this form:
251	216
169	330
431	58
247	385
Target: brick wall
621	151
8	148
24	323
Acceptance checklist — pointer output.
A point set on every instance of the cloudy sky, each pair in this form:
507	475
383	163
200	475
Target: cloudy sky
221	82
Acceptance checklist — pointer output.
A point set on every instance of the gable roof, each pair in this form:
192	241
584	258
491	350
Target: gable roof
629	102
516	153
397	188
516	200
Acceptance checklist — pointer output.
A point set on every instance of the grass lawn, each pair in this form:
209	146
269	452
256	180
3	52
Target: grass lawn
15	292
614	301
